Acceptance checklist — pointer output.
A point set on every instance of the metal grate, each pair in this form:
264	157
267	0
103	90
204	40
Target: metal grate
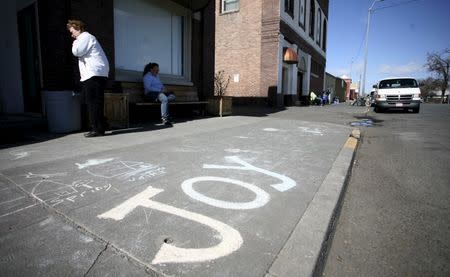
399	98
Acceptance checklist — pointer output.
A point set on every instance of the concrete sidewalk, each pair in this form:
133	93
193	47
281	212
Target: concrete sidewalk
232	196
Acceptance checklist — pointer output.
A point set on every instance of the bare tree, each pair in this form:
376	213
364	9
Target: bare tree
428	86
221	82
439	64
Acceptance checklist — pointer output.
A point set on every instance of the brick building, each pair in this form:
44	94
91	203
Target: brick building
252	41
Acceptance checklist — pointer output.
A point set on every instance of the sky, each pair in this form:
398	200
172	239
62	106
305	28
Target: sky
401	34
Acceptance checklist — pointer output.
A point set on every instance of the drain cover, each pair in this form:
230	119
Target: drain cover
363	123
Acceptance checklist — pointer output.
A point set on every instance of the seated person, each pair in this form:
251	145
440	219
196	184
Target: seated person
314	99
154	90
324	98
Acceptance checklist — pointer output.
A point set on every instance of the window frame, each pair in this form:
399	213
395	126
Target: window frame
302	24
312	18
222	6
289	7
319	27
324	34
132	75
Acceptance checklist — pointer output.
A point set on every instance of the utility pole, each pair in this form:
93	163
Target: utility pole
367	46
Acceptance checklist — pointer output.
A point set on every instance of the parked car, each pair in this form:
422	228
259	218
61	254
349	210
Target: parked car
397	93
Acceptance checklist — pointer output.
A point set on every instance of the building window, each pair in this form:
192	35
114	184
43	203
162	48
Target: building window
324	44
230	6
289	7
302	13
319	26
151	32
315	68
312	19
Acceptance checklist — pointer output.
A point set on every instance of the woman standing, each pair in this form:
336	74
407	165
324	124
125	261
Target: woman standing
94	70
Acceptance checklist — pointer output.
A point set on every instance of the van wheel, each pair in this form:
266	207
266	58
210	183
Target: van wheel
416	110
377	109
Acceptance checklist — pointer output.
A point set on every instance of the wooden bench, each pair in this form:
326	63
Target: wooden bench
184	95
117	105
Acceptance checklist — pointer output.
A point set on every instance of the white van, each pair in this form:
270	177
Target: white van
397	93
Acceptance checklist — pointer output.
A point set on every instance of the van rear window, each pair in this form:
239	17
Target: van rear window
398	83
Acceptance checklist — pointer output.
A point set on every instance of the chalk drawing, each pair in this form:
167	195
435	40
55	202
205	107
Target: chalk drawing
18	210
82	183
30	175
261	199
89	163
126	170
12	200
241	137
237	150
231	238
55	192
314	131
20	154
271	130
286	184
47	221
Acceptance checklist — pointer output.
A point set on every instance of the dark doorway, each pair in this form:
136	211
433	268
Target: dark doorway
29	59
300	97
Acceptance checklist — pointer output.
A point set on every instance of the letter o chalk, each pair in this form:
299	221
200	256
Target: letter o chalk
261	199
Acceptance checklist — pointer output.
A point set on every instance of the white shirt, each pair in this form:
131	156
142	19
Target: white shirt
92	60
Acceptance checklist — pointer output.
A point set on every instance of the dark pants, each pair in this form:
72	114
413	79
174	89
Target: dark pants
93	93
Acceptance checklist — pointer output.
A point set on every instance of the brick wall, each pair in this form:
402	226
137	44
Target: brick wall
238	47
269	48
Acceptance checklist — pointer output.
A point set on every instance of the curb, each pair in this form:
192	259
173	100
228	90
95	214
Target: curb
305	251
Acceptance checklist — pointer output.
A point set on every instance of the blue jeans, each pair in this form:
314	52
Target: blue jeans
162	97
165	99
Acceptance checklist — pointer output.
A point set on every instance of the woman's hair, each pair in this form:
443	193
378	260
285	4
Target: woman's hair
149	67
76	24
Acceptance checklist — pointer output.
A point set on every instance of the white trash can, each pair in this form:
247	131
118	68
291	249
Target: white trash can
63	111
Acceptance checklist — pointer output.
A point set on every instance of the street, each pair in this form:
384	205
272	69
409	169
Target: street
395	219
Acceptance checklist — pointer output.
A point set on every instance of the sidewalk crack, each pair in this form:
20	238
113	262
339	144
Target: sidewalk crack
96	259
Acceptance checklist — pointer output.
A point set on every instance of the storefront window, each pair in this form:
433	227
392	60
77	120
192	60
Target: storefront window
146	32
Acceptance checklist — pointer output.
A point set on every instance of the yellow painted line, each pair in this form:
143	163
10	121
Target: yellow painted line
351	143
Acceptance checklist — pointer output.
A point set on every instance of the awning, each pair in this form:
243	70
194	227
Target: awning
290	56
193	5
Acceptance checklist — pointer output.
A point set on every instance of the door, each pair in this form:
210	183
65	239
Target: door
29	59
299	84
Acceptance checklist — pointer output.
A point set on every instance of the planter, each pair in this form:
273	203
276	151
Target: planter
220	106
117	110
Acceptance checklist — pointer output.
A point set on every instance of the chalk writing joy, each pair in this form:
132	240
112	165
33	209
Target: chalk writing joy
231	239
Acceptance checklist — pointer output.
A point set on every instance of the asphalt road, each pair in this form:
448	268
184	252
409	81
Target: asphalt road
395	218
